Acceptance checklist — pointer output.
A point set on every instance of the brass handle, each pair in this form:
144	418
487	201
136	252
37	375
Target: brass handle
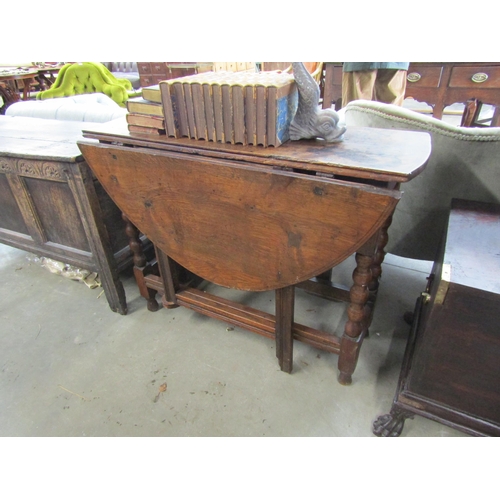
479	77
426	297
414	77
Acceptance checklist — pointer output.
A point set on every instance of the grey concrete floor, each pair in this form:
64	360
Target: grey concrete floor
69	366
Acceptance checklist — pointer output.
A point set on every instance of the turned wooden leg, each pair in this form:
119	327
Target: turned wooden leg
357	312
285	302
140	264
376	268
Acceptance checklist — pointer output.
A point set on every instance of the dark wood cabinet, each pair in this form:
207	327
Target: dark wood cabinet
451	368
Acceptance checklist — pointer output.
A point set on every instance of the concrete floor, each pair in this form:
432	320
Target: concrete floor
69	366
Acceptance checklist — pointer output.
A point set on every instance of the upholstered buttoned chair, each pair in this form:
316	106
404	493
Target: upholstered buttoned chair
464	163
88	78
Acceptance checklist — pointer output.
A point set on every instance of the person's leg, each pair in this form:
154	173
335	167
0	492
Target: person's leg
390	86
357	85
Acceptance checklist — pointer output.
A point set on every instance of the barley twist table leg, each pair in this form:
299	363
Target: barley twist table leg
378	260
357	312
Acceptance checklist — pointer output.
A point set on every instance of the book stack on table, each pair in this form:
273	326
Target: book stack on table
145	114
229	107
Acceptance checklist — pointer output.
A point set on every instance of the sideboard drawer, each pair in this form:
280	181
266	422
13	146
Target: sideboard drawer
475	77
424	76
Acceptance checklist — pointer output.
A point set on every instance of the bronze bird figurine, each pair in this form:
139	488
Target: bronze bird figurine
309	121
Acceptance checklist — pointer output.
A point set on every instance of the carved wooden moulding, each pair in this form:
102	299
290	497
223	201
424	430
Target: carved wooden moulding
28	168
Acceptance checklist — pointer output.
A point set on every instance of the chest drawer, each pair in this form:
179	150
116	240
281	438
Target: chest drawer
423	76
475	77
144	67
159	69
146	81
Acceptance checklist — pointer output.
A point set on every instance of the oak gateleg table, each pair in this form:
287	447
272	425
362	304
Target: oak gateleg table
256	219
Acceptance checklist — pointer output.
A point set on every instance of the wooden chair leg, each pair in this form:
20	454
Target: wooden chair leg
471	113
495	121
285	302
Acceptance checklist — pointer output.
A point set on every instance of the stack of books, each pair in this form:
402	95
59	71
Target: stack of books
145	114
228	107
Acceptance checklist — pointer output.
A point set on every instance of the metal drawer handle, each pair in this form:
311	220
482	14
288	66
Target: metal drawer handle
414	77
479	77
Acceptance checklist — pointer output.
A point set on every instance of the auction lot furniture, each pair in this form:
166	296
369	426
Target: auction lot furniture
10	89
439	84
451	367
256	219
47	74
13	80
51	204
88	78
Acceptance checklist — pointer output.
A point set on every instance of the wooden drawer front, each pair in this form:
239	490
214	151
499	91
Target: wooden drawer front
159	69
475	77
423	76
160	78
147	81
144	67
180	72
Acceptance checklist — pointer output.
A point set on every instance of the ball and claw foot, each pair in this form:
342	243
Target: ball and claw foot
389	425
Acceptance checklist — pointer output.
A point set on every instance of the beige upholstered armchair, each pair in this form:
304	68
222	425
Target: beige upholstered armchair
464	163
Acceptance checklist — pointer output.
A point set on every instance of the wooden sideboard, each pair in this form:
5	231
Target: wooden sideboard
52	205
451	367
152	73
438	84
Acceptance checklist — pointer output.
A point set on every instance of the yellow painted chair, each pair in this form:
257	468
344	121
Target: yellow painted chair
88	78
